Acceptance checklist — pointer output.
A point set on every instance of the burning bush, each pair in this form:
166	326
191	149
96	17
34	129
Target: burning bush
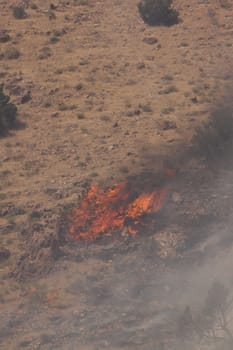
158	12
116	209
8	112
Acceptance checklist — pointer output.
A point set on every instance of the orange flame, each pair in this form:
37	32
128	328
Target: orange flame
105	212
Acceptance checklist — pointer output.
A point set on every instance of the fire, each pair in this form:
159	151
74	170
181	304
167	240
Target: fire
105	212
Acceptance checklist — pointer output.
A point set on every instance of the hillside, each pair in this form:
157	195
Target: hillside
110	98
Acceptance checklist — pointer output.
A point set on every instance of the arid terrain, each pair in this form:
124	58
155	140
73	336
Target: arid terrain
111	99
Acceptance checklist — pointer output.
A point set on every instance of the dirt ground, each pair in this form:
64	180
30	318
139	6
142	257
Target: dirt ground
111	99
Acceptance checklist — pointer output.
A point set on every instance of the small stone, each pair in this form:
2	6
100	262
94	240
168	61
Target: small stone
124	232
150	40
176	197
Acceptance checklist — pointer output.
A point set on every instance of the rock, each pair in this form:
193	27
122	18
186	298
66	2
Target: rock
176	198
4	37
4	254
150	40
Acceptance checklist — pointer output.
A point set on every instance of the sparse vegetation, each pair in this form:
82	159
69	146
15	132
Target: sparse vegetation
19	12
158	12
58	71
11	53
79	87
35	215
47	104
145	107
167	77
33	6
53	40
168	90
3	196
65	107
105	118
225	4
45	52
124	169
82	3
51	15
167	110
4	36
93	174
81	116
71	68
8	112
84	130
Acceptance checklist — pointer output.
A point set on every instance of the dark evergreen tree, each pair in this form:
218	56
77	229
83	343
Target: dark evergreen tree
158	12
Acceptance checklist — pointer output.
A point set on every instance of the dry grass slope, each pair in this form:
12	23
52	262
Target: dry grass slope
99	91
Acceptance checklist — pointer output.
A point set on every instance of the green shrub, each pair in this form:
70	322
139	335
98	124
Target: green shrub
8	113
158	12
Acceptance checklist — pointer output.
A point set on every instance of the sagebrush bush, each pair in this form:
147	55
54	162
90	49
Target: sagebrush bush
8	113
19	12
158	12
11	53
